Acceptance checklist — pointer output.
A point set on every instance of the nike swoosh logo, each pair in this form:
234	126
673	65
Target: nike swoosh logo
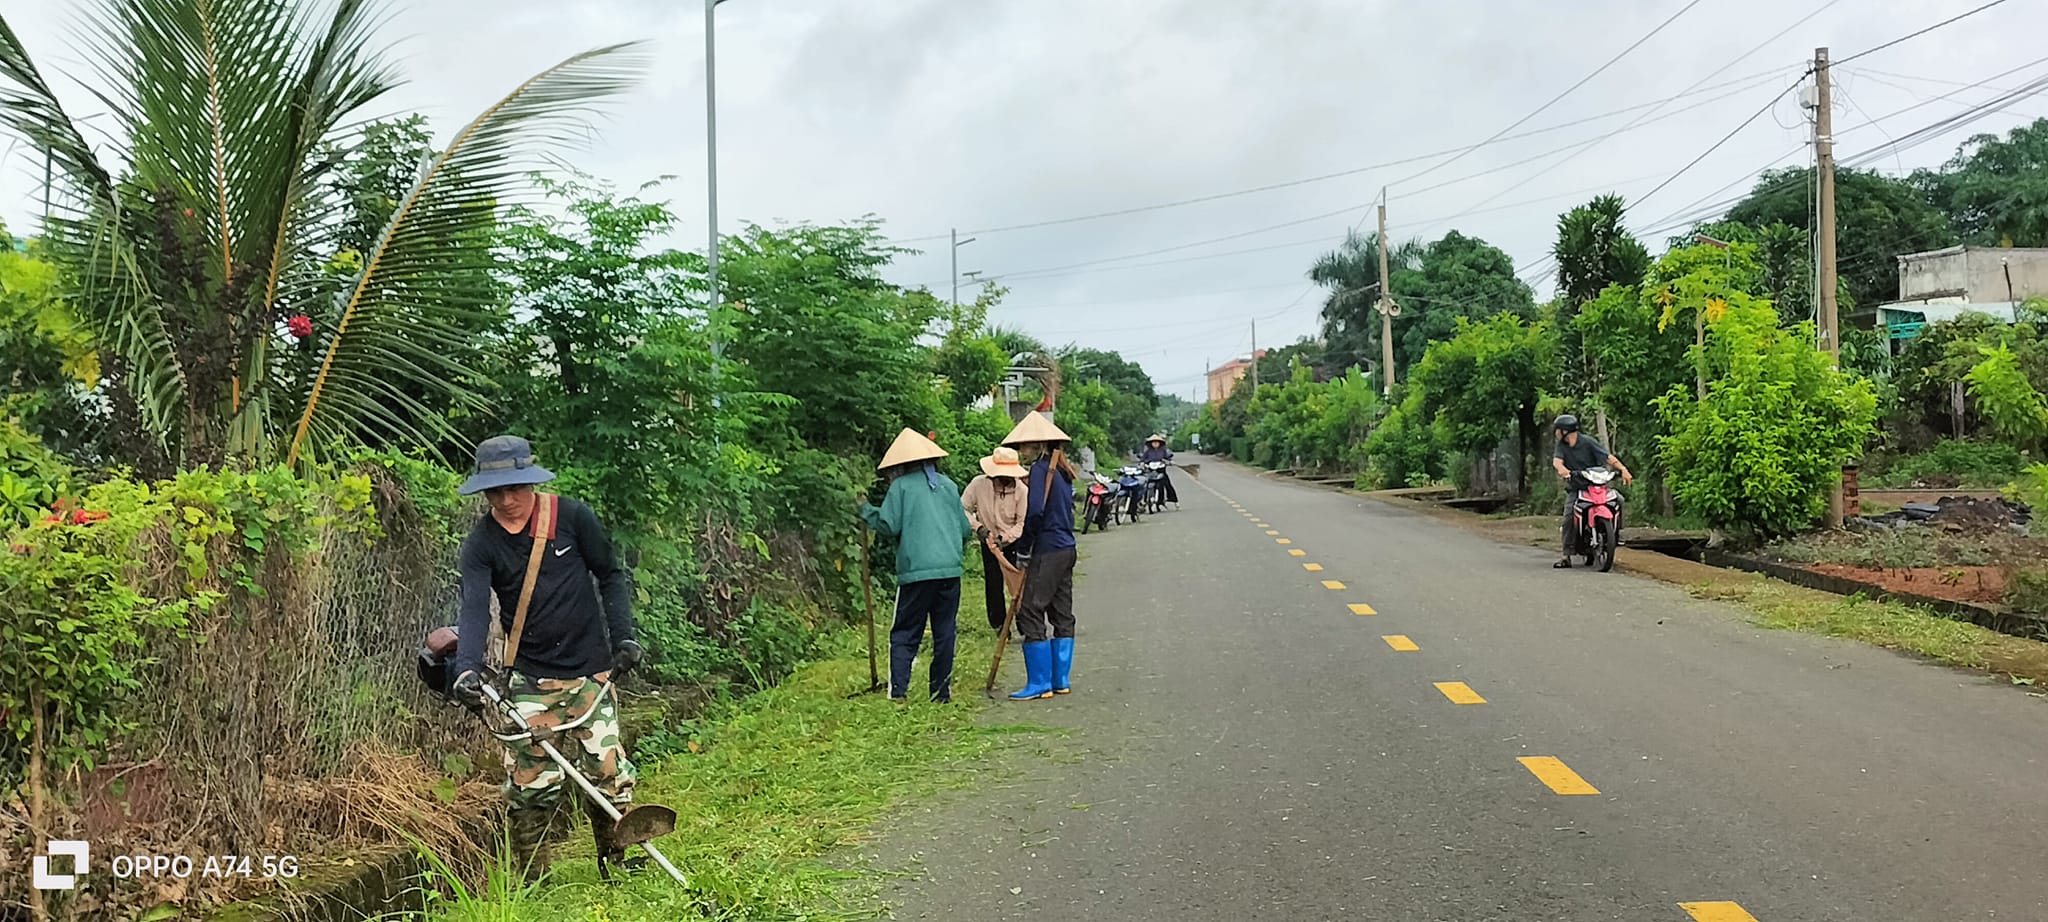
561	550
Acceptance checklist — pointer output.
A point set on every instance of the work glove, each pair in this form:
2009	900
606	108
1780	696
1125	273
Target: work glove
625	658
468	690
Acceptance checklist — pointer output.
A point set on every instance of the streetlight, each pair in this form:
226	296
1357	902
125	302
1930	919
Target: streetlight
711	182
957	244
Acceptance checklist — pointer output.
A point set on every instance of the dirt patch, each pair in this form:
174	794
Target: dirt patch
1956	584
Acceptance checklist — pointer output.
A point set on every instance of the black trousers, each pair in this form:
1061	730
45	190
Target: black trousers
1048	609
1166	481
936	601
992	591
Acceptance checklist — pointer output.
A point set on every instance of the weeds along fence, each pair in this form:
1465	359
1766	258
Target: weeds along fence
287	720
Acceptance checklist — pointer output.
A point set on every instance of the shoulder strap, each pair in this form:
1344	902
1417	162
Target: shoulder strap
543	526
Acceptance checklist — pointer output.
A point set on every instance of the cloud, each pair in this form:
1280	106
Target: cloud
941	113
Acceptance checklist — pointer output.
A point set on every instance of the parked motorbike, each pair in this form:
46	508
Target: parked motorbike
1155	485
1099	505
1131	478
1596	518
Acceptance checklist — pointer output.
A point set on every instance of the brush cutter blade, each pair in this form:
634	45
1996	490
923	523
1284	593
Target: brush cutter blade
642	822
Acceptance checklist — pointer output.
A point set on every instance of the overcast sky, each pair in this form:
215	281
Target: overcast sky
977	114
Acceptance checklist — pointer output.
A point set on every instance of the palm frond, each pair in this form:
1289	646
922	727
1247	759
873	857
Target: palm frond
407	306
84	232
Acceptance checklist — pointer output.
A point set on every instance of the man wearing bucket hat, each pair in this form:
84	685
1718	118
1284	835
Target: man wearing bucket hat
1045	620
565	603
995	504
922	512
1156	450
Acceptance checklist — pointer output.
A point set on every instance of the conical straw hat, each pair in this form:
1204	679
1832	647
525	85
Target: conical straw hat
910	448
1034	428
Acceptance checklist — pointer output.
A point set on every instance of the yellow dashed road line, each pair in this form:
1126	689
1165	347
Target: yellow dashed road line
1360	608
1459	693
1717	912
1288	541
1563	780
1332	584
1312	567
1400	643
1296	552
1273	532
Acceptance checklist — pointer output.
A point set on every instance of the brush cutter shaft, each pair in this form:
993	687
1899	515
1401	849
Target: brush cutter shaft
569	768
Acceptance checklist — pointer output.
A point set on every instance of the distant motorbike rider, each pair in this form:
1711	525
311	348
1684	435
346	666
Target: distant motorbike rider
1576	452
1156	450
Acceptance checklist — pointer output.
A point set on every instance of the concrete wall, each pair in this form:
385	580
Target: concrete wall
1978	273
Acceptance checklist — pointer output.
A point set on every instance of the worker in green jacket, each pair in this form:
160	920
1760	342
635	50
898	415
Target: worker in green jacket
922	512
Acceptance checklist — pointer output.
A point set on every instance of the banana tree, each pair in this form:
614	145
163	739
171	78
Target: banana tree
202	239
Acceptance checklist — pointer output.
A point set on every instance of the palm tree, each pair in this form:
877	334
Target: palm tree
204	250
1351	272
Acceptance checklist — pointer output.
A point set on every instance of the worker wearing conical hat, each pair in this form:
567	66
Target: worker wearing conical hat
995	504
1045	620
922	512
1156	450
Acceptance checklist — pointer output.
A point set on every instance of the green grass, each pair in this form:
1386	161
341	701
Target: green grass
779	782
1893	625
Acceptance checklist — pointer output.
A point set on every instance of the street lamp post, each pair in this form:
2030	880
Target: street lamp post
711	185
957	244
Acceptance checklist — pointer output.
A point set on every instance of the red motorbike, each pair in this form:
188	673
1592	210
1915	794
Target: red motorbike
1596	518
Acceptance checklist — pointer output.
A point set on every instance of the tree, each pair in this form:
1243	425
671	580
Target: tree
1593	251
815	320
1762	449
47	364
1278	364
1351	273
1995	190
1878	219
1455	276
195	252
1483	383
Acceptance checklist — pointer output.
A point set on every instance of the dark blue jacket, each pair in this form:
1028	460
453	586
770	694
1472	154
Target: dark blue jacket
1162	453
1048	519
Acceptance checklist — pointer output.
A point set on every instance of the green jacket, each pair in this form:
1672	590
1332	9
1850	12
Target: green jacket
922	511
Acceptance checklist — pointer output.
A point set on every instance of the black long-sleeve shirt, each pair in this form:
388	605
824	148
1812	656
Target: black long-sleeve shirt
567	635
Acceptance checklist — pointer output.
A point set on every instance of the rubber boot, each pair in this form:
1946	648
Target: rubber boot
1037	671
1062	662
528	829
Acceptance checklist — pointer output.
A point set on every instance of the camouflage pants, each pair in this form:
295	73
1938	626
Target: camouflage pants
596	748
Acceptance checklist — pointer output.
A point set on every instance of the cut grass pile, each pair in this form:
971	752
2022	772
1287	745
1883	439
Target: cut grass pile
1892	625
767	787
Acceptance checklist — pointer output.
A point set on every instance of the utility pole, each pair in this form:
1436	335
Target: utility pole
1824	169
957	244
1386	303
711	187
1255	358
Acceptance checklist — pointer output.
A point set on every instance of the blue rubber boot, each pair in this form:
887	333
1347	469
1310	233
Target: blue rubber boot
1062	662
1037	671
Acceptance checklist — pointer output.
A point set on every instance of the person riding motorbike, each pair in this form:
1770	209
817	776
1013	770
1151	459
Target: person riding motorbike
1156	450
1576	452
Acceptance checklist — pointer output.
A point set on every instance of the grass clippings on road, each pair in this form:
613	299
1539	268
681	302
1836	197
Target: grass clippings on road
1893	625
770	787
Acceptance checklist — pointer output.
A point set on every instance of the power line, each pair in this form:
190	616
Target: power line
1554	100
1824	7
1717	144
1913	35
1353	171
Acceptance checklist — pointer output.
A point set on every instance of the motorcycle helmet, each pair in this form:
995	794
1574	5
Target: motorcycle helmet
1566	423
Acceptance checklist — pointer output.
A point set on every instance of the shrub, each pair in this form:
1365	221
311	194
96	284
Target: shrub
1955	463
1779	420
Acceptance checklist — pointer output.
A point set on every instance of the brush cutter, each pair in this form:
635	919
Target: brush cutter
638	824
1010	576
867	594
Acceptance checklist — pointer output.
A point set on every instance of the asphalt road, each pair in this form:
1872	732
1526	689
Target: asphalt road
1248	747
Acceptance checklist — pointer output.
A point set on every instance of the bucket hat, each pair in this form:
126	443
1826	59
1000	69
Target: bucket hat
504	461
910	448
1034	427
1003	462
